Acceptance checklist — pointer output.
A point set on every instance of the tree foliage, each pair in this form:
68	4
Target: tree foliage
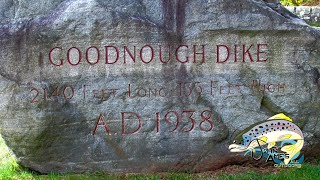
298	2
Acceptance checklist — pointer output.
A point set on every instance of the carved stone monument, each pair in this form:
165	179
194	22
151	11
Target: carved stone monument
150	85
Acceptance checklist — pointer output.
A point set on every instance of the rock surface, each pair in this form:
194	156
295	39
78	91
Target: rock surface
49	130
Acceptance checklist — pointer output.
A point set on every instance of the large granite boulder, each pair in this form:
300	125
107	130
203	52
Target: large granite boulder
74	100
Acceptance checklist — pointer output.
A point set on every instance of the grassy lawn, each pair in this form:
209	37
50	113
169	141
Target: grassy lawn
9	169
316	24
306	172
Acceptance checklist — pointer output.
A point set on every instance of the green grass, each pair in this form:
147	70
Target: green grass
316	24
307	171
9	169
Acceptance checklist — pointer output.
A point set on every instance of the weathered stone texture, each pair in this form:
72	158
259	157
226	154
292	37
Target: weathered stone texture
56	135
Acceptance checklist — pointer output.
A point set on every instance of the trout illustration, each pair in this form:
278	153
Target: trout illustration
275	129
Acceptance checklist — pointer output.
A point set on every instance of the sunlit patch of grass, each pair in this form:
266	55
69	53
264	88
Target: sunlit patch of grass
316	24
9	169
